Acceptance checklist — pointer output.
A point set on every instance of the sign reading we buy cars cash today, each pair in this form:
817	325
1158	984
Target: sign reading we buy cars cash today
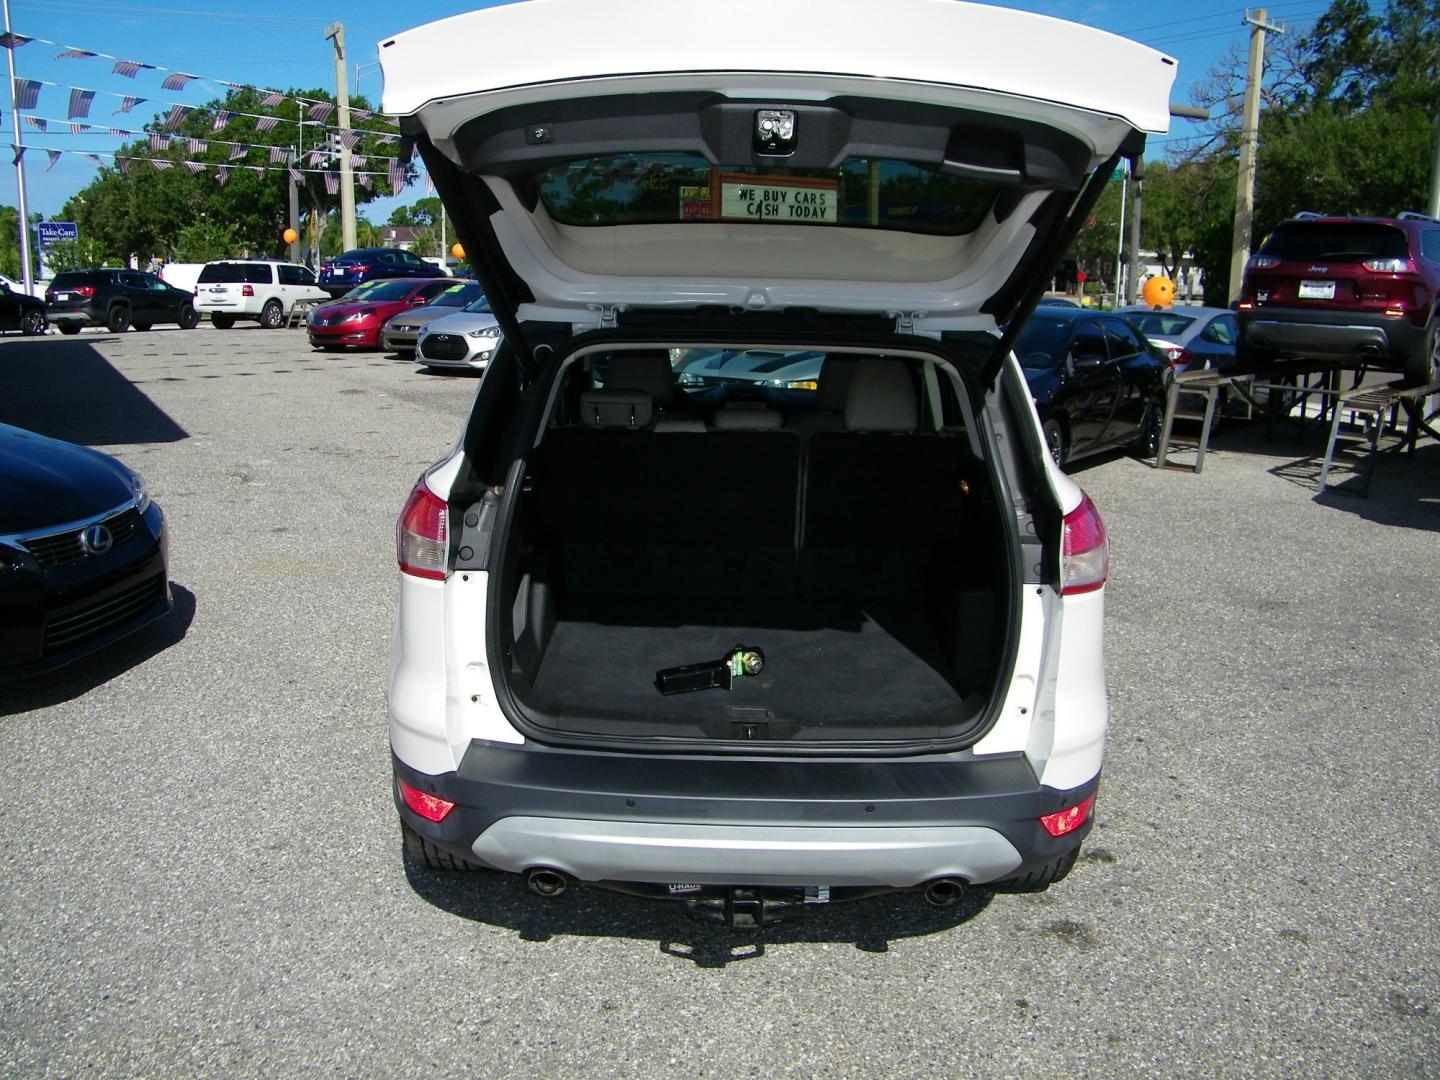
755	198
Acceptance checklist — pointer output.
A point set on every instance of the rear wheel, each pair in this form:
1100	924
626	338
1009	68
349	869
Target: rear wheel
1147	441
189	317
117	319
419	850
271	315
222	322
69	328
1424	367
32	323
1041	878
1055	440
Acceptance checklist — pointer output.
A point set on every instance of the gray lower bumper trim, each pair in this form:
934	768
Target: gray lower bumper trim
1317	337
750	855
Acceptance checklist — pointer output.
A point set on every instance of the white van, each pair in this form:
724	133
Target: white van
258	289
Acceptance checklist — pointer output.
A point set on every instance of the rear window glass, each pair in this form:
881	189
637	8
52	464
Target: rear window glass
1160	323
71	278
235	273
1340	241
648	189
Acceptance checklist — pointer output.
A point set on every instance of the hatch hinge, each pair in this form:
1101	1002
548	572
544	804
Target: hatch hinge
608	314
905	322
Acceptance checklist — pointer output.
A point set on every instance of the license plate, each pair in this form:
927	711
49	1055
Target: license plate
1317	290
62	296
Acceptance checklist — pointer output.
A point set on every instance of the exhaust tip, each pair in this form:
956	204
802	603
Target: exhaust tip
545	882
944	892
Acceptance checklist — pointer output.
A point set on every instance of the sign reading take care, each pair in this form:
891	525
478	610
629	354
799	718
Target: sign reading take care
771	201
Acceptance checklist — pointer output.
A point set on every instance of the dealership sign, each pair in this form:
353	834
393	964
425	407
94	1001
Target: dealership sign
51	233
769	199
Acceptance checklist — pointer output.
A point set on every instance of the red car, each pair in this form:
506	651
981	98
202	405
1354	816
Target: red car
1325	291
359	321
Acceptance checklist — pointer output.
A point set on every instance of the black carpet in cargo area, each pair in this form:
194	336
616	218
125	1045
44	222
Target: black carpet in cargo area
828	665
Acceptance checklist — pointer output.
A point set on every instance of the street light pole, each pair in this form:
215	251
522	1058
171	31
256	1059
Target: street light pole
336	34
26	275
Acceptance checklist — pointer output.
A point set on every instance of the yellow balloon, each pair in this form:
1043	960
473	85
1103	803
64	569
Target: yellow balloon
1158	292
457	250
290	236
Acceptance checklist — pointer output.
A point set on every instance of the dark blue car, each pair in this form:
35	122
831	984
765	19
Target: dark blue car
341	274
1096	381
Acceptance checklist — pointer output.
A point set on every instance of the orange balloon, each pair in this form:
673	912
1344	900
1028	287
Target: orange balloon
290	236
457	250
1158	292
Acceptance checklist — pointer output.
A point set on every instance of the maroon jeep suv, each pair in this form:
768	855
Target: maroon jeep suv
1325	291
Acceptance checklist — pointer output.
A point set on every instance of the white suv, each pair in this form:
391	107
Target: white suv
750	580
258	289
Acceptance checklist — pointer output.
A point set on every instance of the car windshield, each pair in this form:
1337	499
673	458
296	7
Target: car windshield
1038	346
1340	241
1160	323
647	189
388	290
236	273
457	296
478	307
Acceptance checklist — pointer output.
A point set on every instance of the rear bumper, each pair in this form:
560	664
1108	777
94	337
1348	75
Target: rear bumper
76	316
1330	335
632	818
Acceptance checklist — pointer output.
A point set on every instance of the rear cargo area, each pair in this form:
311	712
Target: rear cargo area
868	566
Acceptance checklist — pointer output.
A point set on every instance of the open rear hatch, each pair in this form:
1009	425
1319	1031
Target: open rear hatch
774	180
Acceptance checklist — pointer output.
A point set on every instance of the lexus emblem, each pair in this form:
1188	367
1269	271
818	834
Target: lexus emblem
96	540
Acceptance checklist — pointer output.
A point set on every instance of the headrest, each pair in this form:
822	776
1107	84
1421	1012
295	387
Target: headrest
647	370
746	416
835	375
616	409
882	397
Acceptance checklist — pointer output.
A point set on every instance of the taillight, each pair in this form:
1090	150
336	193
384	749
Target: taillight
83	290
1389	266
247	290
422	535
434	808
1084	550
1062	821
1261	262
359	268
1178	358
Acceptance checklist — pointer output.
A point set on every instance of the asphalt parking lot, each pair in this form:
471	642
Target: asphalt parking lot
202	871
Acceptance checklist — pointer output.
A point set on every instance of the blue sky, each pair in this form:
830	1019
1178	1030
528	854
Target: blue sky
272	44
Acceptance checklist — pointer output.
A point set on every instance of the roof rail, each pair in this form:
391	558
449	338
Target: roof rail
1306	214
1413	215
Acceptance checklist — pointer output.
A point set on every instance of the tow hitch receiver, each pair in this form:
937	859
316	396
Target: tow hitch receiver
750	907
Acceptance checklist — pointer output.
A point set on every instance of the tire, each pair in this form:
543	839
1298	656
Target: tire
222	322
140	326
32	323
422	852
1041	878
1147	442
1055	440
69	328
189	317
117	319
272	315
1424	366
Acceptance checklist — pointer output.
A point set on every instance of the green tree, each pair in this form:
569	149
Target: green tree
423	214
77	255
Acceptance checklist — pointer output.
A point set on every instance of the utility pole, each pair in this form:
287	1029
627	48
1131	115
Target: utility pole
1132	249
336	34
1249	142
294	186
26	274
1120	237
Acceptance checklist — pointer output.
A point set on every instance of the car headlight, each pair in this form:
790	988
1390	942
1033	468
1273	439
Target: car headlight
484	332
355	316
138	492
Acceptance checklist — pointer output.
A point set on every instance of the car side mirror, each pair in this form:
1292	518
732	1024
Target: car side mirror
1086	361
